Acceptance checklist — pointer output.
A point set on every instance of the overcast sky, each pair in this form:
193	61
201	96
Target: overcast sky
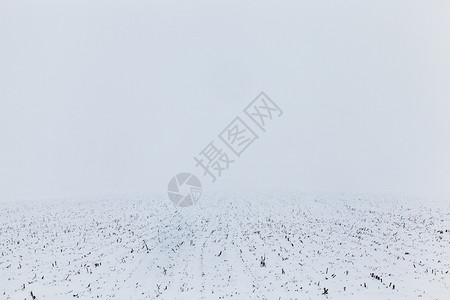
119	96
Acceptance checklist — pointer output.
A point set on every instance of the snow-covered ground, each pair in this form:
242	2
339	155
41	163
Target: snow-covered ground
246	246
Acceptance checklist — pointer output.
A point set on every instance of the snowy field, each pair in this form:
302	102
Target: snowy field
251	246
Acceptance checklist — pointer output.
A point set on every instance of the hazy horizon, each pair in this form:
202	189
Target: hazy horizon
101	98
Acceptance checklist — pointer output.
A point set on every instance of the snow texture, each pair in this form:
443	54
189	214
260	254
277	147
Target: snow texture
228	246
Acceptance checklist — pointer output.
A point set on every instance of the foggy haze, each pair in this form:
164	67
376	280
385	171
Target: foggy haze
99	97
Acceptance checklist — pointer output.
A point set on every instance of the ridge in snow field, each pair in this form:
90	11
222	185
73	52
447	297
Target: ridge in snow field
246	246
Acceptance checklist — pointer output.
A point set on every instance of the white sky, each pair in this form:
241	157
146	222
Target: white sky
118	96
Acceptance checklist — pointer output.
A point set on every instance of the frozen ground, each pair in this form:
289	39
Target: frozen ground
254	246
